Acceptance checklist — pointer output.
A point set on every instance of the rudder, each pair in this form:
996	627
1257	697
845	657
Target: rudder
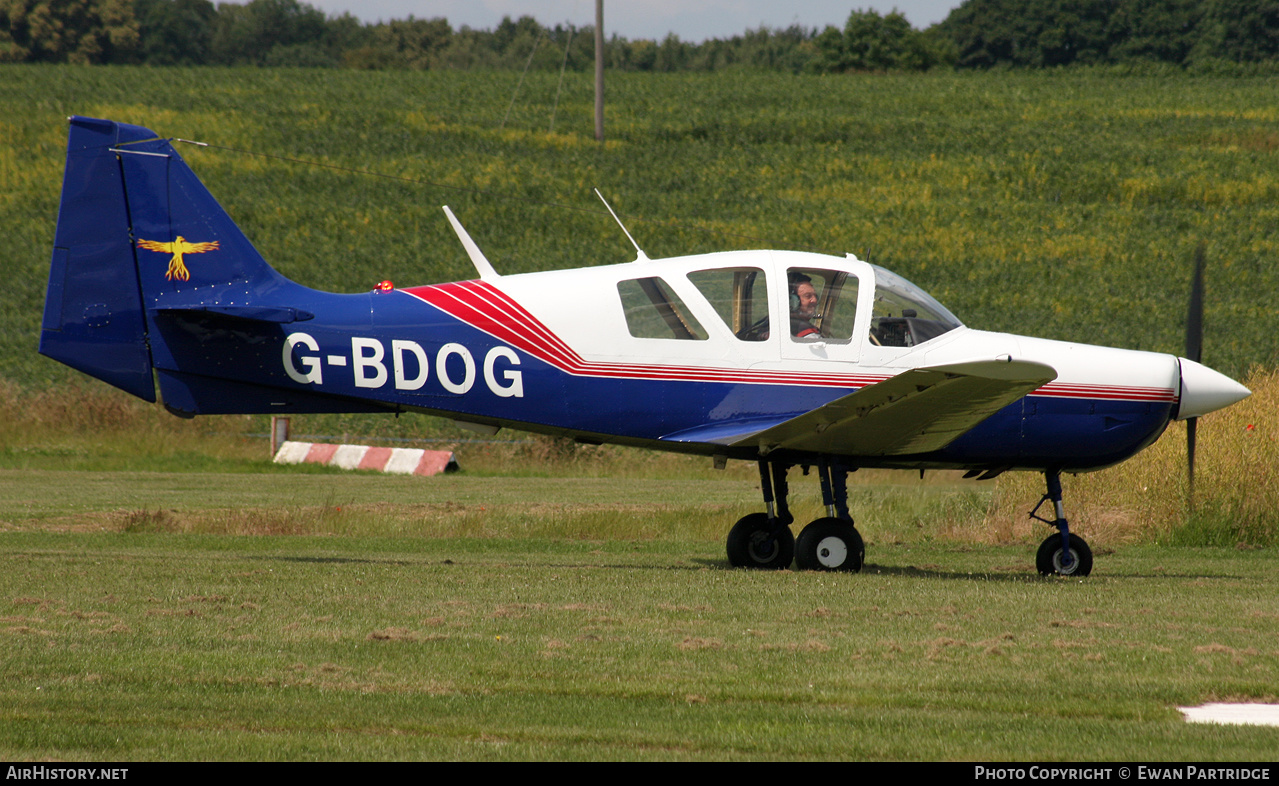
137	233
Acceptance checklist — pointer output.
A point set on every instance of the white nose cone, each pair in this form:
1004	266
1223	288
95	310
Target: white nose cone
1204	390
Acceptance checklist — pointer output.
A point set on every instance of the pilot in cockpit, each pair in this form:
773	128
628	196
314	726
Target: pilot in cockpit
803	307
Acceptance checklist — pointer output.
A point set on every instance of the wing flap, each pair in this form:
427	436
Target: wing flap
729	432
917	411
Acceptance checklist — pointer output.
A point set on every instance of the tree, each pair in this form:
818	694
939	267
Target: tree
1243	31
1157	30
175	32
416	43
70	31
871	42
246	34
1030	32
1039	33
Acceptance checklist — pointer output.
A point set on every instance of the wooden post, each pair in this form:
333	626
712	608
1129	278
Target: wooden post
279	433
599	70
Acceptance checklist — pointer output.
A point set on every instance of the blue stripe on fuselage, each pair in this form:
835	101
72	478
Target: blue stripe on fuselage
372	346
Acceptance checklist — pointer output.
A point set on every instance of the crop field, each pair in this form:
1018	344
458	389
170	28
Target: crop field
1065	205
167	593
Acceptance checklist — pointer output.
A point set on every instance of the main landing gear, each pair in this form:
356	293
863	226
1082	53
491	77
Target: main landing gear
831	543
1063	554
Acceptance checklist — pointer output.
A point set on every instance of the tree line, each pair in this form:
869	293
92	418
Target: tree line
977	34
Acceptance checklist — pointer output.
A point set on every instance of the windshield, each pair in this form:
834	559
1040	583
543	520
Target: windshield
905	315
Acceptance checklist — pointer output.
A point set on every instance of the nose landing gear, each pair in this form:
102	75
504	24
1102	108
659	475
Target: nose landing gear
1063	554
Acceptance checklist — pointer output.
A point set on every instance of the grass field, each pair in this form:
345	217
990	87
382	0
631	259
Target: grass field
140	645
167	593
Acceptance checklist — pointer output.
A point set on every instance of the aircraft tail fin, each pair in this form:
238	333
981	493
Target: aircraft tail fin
137	234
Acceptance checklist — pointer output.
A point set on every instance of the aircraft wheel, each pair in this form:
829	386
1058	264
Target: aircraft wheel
751	544
830	544
1049	558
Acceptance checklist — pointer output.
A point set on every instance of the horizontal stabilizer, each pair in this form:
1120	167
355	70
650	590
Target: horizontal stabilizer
187	394
918	411
277	315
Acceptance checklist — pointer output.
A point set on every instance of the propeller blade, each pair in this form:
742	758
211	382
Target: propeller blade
1195	314
1194	351
1190	459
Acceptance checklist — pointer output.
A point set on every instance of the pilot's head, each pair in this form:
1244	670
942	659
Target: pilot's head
803	296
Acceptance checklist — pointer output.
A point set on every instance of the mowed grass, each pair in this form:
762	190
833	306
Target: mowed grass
168	593
144	646
190	601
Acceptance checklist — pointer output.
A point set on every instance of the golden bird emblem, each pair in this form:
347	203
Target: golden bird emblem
177	267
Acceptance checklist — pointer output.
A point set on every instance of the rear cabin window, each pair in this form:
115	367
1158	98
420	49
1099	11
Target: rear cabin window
739	296
653	310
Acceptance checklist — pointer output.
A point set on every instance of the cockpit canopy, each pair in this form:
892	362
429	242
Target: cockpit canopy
905	315
821	304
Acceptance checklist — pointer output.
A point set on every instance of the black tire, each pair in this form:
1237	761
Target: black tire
830	544
752	544
1048	560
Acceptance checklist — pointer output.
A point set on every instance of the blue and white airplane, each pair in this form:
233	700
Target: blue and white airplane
782	358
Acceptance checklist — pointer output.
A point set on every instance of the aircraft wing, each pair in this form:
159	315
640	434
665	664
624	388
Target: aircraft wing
917	411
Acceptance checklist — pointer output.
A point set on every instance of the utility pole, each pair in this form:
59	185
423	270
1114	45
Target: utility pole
599	70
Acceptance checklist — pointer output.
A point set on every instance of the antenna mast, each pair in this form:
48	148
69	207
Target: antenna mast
640	256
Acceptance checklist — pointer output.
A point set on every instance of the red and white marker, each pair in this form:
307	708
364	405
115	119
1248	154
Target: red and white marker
397	461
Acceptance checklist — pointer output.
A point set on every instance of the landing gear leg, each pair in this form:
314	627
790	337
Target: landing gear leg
831	543
1064	554
764	540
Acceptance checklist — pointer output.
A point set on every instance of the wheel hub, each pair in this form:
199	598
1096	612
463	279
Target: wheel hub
1062	567
763	547
832	552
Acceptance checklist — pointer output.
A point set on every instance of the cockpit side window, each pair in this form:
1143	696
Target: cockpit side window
653	310
823	304
905	315
740	297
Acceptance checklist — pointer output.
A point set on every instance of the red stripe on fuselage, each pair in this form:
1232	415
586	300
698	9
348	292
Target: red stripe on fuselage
489	309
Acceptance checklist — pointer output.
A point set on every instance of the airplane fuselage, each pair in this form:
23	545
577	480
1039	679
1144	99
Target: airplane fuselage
551	353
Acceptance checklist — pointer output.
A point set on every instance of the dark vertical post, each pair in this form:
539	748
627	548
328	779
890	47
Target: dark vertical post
599	70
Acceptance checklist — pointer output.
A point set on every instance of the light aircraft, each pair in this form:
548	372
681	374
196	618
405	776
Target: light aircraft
782	358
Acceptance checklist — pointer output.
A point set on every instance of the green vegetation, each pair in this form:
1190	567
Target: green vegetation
978	34
169	593
1064	205
143	646
1201	34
